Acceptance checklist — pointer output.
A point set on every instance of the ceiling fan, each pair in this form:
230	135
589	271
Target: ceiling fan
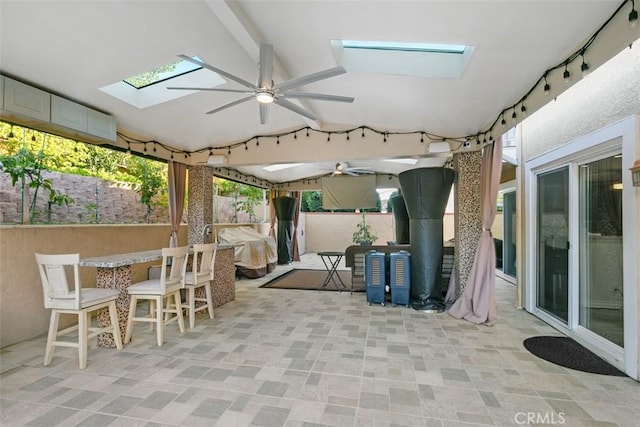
266	91
343	168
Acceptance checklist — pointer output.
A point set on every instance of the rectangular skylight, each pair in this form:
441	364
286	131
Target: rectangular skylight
280	166
437	60
150	88
162	73
457	49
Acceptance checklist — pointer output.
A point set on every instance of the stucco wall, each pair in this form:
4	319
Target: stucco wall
22	312
608	94
333	231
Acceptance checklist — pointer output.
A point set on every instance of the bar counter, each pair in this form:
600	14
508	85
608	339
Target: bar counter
114	272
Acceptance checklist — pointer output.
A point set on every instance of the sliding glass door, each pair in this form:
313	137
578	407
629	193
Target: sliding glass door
553	242
601	268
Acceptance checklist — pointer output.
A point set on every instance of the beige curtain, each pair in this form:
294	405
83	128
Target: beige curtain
477	303
272	213
296	217
177	176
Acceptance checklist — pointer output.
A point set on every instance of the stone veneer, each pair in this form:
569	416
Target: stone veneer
468	221
200	209
200	205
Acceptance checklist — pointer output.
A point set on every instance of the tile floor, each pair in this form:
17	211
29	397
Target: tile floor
308	358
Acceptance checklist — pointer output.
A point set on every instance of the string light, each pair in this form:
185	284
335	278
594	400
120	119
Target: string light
503	122
584	67
278	140
421	137
523	109
257	142
348	136
155	149
633	15
514	116
566	75
363	132
547	88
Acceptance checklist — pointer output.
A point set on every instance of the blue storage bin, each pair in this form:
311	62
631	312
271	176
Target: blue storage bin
400	278
375	277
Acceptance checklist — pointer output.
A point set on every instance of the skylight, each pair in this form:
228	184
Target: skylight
280	166
405	47
437	60
150	88
162	73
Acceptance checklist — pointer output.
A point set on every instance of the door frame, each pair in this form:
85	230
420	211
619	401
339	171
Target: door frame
622	135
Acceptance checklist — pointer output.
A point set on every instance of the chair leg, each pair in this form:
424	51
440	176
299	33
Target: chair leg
152	312
83	317
132	312
207	289
191	305
51	338
159	321
113	314
178	298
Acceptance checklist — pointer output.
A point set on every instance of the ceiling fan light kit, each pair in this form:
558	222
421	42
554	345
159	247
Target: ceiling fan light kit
266	91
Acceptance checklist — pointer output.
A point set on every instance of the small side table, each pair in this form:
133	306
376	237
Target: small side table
331	261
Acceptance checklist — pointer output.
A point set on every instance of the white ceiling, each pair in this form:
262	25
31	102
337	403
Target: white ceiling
73	48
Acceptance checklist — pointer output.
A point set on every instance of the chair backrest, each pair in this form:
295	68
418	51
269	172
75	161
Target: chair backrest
204	256
176	258
54	271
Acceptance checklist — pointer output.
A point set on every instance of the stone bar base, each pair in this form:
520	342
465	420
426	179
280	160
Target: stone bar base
114	278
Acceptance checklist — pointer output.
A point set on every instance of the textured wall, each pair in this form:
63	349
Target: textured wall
116	203
610	93
468	222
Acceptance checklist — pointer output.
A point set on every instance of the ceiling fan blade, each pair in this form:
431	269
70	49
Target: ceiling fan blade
265	80
212	89
293	107
318	96
320	75
219	71
264	113
360	170
349	172
231	104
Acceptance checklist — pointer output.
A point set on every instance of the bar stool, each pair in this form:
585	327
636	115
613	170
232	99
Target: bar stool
200	277
158	290
78	301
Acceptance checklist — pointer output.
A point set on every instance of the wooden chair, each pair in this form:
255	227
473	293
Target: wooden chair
159	290
61	299
200	276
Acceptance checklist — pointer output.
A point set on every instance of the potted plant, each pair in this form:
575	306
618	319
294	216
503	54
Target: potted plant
364	235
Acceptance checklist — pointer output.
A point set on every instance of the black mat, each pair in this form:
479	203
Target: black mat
566	352
310	280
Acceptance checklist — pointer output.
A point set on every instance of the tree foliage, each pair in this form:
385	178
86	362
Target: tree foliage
50	152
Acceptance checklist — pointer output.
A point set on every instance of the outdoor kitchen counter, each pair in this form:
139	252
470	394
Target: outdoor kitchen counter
114	272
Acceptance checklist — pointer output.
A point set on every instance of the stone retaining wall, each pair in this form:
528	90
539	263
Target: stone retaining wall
114	203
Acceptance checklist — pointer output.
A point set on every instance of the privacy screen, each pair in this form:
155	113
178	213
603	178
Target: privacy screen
349	192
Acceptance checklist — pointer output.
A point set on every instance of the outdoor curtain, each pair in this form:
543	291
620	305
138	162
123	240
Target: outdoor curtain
477	303
177	183
272	213
296	217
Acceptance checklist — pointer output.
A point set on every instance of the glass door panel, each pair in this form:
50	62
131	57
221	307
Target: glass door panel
509	224
601	279
553	242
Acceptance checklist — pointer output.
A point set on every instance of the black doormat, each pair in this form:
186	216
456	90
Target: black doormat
566	352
